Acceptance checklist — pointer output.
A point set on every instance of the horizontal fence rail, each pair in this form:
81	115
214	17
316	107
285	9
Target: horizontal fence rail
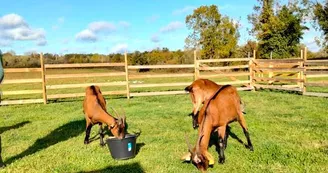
160	66
48	66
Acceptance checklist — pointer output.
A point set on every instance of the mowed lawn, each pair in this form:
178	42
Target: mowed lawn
288	131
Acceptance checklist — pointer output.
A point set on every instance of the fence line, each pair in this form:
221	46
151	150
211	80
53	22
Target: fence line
282	74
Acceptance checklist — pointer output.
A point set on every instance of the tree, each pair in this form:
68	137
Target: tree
278	28
215	35
321	17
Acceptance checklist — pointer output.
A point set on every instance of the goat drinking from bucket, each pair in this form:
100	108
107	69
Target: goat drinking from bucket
222	108
94	108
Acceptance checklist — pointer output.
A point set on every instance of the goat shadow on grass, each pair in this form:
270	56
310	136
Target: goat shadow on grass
139	146
128	168
106	131
62	133
16	126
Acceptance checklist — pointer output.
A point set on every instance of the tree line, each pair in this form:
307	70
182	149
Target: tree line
277	28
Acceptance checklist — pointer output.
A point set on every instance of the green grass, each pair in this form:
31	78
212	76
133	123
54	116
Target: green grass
288	131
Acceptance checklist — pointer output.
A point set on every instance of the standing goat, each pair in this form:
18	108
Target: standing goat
200	90
222	108
94	108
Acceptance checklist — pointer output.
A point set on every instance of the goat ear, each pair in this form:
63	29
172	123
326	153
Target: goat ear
209	157
120	122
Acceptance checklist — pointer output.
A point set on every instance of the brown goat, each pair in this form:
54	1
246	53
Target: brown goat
200	90
94	108
222	108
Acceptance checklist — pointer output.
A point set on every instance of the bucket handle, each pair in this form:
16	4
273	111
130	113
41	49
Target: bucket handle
137	133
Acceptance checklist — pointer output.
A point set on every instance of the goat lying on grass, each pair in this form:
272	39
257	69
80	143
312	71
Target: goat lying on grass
94	108
222	108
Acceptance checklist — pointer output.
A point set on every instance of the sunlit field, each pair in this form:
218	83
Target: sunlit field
289	133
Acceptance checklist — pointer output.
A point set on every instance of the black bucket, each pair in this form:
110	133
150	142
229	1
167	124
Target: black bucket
122	149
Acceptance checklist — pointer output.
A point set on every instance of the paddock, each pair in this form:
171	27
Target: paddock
288	136
287	127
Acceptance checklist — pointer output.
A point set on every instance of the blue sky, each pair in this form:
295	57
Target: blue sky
108	26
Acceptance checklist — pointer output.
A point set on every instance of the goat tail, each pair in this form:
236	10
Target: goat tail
242	106
93	88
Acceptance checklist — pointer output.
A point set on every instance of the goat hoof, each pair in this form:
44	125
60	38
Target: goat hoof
102	144
221	160
251	148
195	127
86	142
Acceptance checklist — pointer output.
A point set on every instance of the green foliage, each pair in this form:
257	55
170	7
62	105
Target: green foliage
321	17
244	50
214	34
278	31
156	56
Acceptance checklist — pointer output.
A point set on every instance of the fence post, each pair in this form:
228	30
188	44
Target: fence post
270	72
300	74
44	88
127	75
196	65
304	70
251	70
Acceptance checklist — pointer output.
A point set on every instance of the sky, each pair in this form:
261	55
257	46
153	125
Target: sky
110	26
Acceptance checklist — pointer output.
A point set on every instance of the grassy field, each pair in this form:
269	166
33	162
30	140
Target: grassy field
289	134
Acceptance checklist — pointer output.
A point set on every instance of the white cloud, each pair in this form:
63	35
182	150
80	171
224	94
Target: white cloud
14	27
124	24
101	26
59	23
173	26
183	10
11	21
86	35
65	41
5	43
42	42
61	20
152	18
155	38
119	48
91	34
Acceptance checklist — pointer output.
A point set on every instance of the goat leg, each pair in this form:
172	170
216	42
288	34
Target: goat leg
226	137
242	123
101	134
249	143
87	134
1	161
222	132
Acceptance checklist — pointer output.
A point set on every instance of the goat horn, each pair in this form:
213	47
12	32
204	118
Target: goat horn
123	115
117	115
188	143
198	143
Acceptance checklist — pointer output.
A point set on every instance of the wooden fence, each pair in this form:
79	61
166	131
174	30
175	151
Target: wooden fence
41	80
285	74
